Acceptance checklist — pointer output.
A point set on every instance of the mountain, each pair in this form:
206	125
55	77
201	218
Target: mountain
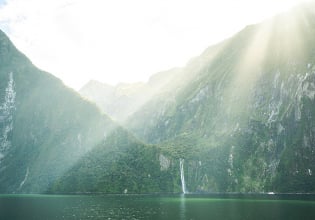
120	101
244	116
53	140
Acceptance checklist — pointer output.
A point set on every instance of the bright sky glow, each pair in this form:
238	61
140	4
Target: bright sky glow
122	40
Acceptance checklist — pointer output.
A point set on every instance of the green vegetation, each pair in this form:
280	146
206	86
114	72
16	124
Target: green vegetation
119	164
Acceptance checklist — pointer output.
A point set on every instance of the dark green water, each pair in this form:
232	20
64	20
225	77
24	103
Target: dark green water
157	207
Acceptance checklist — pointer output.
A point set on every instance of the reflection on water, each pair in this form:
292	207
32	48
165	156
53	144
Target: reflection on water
114	207
183	207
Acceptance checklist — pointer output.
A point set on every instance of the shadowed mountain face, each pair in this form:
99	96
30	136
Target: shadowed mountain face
44	126
238	118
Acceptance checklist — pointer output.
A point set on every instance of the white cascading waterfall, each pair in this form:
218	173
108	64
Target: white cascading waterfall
182	176
6	117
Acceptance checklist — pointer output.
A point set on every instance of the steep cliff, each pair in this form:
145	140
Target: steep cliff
45	127
245	120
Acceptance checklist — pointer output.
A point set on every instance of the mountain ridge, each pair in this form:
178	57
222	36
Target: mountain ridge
120	101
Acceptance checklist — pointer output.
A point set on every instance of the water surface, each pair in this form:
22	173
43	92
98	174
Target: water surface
217	206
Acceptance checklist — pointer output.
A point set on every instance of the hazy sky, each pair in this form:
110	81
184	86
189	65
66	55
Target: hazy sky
124	40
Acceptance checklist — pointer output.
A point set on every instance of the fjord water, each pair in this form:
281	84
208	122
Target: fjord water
53	207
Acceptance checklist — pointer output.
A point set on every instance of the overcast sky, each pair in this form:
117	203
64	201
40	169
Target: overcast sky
124	40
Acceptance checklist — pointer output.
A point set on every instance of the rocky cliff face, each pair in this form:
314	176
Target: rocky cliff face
245	122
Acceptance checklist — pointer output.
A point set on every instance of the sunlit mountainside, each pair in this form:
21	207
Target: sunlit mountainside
238	118
248	112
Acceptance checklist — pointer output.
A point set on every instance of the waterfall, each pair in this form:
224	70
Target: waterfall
25	178
182	177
